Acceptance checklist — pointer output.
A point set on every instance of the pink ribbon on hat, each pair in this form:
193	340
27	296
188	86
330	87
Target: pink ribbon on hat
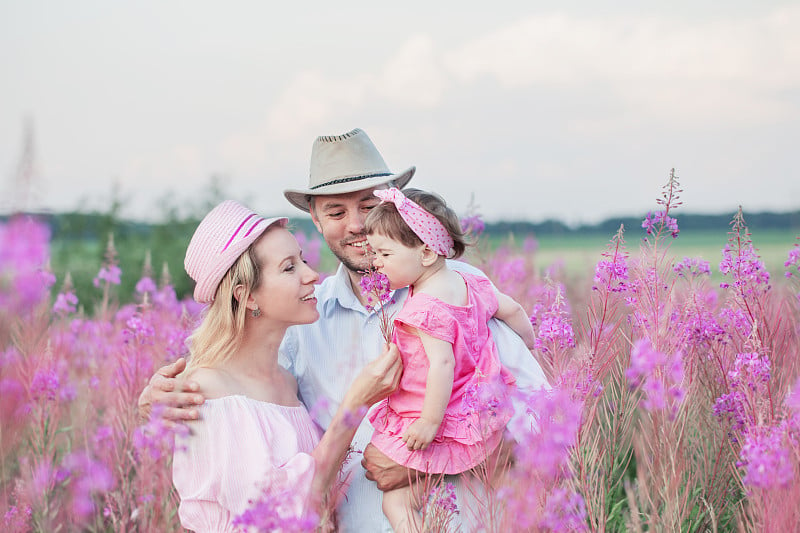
425	225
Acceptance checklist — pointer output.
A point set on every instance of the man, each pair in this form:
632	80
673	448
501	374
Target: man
327	355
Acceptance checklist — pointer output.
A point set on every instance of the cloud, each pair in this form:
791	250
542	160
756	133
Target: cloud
676	71
310	99
729	69
414	76
411	77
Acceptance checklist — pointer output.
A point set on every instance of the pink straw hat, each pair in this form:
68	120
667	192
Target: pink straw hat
222	236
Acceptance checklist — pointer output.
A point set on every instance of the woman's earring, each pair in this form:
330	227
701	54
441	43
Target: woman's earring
256	312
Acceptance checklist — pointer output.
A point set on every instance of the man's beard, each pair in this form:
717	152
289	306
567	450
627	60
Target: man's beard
349	264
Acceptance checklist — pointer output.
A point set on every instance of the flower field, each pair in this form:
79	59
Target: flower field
675	400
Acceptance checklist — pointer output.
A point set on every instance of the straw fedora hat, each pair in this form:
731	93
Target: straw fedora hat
345	163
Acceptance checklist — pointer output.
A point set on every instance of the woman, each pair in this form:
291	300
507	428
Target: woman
256	440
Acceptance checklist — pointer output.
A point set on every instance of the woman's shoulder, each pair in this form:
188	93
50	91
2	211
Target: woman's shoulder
213	382
218	382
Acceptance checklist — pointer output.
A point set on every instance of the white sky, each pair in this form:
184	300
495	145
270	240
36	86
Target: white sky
576	112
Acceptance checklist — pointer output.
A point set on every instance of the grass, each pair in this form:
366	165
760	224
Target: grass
579	253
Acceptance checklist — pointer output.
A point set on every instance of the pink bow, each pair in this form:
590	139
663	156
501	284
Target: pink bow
426	226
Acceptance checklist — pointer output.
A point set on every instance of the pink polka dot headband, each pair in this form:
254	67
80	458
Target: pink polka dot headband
425	225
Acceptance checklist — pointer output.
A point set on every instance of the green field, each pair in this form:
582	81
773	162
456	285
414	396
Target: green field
580	253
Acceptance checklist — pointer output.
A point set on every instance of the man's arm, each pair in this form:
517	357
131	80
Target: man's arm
513	314
179	397
386	473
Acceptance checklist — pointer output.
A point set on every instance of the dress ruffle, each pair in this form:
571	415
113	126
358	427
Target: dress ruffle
470	429
459	445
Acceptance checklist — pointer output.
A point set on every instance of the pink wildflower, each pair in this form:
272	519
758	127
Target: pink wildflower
508	272
644	360
88	478
66	303
655	223
750	375
18	519
692	267
108	274
659	375
375	288
792	403
274	511
565	510
473	224
731	408
611	274
556	331
443	497
24	252
745	267
321	409
103	438
546	451
50	384
741	262
155	438
530	245
489	400
45	476
581	382
139	328
793	262
534	496
352	419
24	243
766	460
701	328
736	319
146	284
31	287
751	370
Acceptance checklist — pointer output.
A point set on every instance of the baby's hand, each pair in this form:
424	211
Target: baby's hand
420	434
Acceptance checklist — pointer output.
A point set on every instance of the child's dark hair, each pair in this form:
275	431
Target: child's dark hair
384	219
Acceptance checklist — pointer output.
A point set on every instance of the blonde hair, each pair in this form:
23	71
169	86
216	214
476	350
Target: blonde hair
384	219
218	336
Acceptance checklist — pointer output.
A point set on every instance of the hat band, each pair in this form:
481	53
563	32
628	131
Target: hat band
249	231
346	180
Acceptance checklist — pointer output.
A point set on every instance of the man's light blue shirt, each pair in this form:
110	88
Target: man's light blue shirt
327	355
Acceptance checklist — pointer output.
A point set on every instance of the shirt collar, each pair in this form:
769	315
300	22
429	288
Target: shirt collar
341	293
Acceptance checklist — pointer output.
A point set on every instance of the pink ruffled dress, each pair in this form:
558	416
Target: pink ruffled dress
238	450
467	434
